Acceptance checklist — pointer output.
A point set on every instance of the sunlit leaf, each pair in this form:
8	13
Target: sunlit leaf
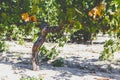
77	25
35	9
25	17
96	11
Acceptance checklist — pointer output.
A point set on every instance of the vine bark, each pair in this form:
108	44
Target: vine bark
45	29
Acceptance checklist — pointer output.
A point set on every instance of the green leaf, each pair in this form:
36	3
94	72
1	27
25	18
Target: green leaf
35	9
77	25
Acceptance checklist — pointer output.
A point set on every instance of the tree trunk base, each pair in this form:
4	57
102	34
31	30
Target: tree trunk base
35	66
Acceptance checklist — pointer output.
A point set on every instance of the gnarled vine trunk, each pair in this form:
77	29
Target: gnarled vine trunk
45	29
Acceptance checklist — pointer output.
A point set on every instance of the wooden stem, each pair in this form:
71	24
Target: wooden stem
35	49
41	39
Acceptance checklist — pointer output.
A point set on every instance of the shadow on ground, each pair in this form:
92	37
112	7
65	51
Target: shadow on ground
74	67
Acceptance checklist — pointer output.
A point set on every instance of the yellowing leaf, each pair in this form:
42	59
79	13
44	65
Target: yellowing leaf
25	17
33	18
96	11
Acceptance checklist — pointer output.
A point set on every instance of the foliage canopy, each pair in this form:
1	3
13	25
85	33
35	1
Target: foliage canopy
92	16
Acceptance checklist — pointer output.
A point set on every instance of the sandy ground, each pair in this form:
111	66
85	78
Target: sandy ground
82	63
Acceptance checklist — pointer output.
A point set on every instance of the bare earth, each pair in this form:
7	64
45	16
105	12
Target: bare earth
81	63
